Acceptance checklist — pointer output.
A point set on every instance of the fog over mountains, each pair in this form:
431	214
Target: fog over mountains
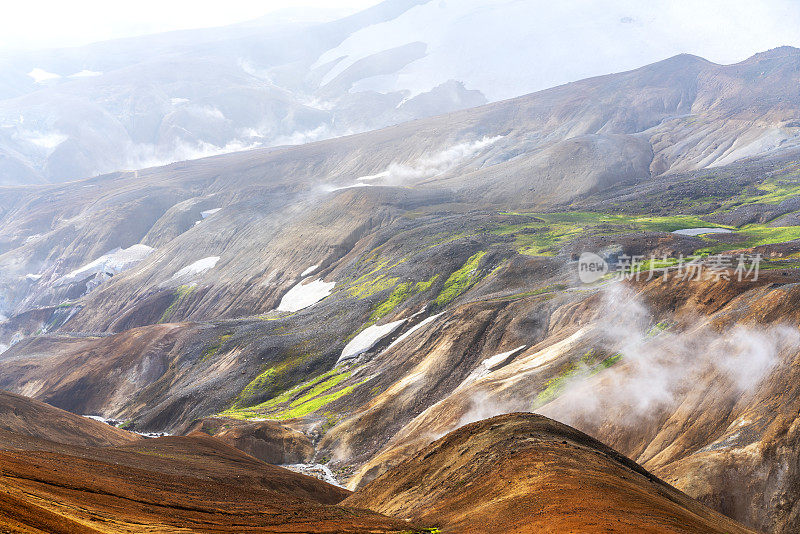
134	103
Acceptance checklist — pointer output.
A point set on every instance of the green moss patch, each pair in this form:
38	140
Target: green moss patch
400	293
461	280
546	233
298	401
179	296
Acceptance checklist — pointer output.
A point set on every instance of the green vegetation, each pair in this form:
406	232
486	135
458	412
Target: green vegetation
259	383
460	281
181	293
546	232
278	377
372	282
589	365
764	235
313	405
755	235
541	291
400	293
445	237
773	190
322	387
425	286
658	328
298	401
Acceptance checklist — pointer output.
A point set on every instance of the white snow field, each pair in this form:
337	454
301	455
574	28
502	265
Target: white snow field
497	359
198	267
114	262
309	271
700	231
367	339
304	295
208	213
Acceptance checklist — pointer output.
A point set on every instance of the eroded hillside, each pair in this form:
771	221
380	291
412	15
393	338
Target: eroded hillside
370	294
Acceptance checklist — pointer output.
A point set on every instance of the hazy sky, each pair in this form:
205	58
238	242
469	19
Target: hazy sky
57	23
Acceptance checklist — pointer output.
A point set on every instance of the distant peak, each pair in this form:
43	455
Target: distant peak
679	62
774	53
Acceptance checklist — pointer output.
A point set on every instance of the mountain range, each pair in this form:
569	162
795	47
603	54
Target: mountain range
399	312
73	113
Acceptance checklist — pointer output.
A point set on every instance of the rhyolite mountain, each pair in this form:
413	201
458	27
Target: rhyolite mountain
99	479
72	113
371	294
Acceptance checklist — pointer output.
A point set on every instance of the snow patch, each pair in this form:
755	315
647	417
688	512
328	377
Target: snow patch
488	365
367	339
33	277
198	267
309	271
413	329
86	74
41	75
700	231
497	359
303	295
107	265
208	213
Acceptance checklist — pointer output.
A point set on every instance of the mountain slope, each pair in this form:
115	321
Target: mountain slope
22	418
542	477
376	291
92	477
534	152
133	103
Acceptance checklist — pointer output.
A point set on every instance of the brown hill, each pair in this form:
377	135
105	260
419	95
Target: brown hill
62	473
22	418
525	473
194	484
269	441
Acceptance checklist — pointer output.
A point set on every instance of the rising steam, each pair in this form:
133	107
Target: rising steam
659	365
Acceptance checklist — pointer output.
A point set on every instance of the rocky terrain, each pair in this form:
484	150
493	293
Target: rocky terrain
344	304
96	478
53	482
541	476
72	113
